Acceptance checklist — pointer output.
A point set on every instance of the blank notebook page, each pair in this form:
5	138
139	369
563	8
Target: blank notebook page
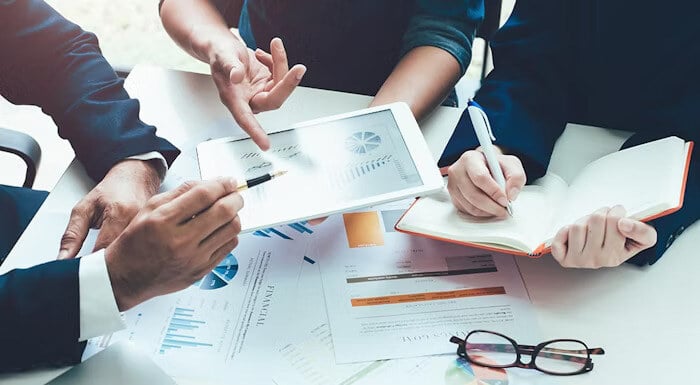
646	179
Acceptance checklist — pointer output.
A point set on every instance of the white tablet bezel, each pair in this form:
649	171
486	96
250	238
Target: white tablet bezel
410	132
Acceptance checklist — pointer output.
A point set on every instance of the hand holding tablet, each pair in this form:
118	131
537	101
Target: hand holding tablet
334	164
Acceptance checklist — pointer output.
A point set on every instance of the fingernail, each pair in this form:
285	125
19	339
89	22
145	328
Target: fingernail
503	201
626	224
63	254
513	193
301	74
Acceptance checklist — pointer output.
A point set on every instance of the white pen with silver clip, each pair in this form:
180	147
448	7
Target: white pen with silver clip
483	131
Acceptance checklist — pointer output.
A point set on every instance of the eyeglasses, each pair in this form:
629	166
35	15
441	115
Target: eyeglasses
562	357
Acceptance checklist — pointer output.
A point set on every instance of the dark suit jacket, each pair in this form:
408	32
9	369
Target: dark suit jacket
596	62
47	61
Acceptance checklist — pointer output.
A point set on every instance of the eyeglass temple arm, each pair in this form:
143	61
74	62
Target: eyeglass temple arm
567	351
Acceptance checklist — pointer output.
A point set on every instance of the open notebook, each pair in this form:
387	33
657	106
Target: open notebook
648	180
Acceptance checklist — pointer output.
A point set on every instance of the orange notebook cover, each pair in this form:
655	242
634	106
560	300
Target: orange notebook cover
645	167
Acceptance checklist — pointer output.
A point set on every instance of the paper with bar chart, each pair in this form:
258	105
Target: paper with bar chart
330	166
306	356
219	321
390	295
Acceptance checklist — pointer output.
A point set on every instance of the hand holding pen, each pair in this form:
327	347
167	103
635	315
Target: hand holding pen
484	181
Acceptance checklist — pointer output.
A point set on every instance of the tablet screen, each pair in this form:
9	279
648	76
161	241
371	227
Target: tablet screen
327	164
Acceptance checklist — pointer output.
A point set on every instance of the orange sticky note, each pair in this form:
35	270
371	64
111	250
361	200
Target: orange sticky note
363	229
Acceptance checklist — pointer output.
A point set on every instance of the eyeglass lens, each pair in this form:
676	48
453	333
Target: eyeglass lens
562	357
490	349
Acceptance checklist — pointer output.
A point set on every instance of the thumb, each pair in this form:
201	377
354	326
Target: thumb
228	65
76	231
235	68
514	173
643	235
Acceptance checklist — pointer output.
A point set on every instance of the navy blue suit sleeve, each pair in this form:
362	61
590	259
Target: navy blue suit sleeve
39	316
524	96
50	62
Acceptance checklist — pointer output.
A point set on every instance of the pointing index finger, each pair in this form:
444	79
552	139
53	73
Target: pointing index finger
243	115
198	199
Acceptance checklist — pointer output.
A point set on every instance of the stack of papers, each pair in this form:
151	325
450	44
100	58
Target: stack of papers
350	301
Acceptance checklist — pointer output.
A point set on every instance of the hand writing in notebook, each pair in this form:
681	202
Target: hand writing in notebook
475	191
605	238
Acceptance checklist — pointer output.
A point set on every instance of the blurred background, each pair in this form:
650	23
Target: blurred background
130	33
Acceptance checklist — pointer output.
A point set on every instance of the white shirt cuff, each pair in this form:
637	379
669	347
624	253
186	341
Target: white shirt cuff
99	314
153	155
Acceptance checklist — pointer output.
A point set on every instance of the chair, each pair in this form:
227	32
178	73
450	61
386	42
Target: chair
24	146
488	28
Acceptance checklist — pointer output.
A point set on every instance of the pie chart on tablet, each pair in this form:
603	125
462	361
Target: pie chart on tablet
362	142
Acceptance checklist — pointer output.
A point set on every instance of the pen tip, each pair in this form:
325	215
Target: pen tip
279	173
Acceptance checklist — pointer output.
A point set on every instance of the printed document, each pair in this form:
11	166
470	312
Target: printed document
390	295
212	330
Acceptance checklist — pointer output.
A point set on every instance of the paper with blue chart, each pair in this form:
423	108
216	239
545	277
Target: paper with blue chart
260	318
331	164
219	324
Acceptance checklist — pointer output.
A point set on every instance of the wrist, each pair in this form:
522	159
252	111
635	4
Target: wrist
145	173
125	296
206	42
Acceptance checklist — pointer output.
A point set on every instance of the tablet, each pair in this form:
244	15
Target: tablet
334	164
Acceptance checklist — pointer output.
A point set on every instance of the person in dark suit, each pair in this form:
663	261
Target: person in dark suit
154	245
594	62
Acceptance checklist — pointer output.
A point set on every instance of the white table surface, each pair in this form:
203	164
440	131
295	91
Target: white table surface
645	318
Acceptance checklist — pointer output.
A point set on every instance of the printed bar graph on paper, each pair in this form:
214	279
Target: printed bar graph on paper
299	226
180	312
267	233
180	329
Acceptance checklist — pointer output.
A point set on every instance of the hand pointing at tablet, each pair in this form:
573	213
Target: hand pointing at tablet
248	81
